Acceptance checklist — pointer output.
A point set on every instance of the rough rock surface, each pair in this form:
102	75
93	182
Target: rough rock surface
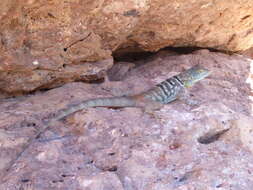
248	53
42	41
206	146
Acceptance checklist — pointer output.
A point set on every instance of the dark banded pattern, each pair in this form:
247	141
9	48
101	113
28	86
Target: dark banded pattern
178	80
166	91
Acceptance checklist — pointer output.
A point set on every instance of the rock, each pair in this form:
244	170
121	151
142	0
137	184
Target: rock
181	146
119	70
248	53
41	78
105	181
136	168
44	45
244	128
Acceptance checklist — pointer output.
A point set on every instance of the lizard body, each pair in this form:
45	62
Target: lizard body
163	93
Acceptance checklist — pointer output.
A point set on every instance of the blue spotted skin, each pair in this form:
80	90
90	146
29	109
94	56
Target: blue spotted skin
166	91
170	89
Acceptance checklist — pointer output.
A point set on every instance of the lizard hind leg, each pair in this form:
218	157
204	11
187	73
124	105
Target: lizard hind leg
152	106
149	105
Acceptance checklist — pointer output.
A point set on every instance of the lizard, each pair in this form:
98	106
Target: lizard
165	92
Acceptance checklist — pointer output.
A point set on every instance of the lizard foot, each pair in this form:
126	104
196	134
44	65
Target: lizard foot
192	102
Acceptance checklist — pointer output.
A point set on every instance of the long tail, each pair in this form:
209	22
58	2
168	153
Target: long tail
121	101
99	102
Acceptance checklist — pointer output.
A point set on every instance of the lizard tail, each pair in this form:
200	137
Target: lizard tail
99	102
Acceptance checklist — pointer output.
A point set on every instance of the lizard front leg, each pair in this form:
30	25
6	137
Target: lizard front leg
185	96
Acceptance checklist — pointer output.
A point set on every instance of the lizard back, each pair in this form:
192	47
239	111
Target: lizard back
165	91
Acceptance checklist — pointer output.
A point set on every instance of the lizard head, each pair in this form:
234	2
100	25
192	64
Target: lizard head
193	75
